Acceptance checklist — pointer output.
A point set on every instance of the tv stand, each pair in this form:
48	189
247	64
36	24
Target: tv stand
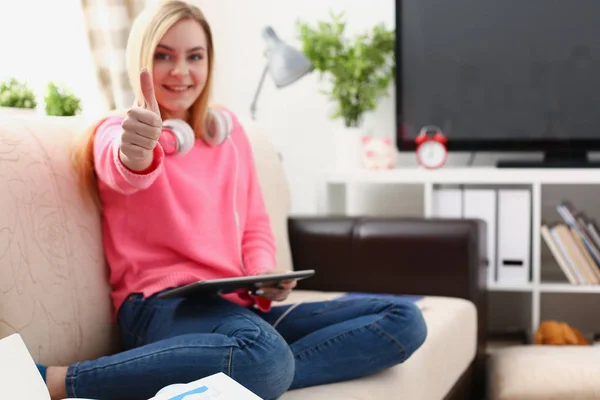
553	159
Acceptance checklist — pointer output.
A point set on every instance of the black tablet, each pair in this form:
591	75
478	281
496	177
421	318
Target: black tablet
228	285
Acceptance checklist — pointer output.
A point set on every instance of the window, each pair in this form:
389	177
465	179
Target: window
44	41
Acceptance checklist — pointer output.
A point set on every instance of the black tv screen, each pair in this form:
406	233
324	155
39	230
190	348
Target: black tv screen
499	74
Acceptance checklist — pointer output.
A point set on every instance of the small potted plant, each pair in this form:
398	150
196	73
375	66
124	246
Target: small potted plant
16	96
60	101
360	71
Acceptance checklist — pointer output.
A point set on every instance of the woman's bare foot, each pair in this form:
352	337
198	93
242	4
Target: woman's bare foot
56	381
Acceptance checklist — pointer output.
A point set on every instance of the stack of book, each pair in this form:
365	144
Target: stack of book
575	244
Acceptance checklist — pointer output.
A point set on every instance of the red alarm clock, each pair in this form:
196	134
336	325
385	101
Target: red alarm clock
431	147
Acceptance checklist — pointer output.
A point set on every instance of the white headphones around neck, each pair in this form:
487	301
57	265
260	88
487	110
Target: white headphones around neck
178	138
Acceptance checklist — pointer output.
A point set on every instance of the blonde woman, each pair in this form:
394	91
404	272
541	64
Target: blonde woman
170	219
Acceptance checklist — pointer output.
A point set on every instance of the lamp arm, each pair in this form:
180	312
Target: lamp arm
260	85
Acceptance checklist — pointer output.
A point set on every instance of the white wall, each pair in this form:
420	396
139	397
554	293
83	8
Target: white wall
297	117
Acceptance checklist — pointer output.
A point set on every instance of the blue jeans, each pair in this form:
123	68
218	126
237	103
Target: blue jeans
178	341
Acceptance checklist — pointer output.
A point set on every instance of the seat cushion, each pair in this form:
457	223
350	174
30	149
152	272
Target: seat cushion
447	352
545	372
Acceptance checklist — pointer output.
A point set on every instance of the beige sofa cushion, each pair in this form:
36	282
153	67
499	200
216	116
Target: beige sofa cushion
53	278
545	372
428	374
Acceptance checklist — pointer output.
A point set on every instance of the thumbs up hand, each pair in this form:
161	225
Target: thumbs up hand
141	129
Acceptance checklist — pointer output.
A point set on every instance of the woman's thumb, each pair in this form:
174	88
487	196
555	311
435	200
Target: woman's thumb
148	91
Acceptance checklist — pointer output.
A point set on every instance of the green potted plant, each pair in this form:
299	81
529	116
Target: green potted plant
17	96
60	101
360	70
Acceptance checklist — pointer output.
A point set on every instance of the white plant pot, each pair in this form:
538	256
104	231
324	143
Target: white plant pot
18	111
348	145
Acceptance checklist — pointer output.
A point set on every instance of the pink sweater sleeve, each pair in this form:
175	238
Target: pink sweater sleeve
258	241
109	167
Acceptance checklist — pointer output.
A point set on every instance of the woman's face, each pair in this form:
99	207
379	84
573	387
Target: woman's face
180	67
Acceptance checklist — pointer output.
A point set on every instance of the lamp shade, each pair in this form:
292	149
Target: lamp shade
286	64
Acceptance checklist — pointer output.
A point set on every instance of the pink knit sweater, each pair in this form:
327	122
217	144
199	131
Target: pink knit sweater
175	223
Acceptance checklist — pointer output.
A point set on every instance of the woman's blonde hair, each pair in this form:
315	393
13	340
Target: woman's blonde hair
146	32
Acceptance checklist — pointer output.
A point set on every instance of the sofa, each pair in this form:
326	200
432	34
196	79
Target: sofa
55	292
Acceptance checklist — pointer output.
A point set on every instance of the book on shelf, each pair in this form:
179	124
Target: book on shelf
575	245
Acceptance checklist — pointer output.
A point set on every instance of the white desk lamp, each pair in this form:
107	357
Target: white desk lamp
285	64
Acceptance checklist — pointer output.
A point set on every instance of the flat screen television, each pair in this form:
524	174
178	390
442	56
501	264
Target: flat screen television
501	75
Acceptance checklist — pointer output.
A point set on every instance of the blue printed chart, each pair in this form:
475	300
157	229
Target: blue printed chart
214	387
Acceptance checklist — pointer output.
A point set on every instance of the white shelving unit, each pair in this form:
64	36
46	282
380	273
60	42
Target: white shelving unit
339	184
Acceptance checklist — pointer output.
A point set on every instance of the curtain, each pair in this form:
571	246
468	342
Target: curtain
108	23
